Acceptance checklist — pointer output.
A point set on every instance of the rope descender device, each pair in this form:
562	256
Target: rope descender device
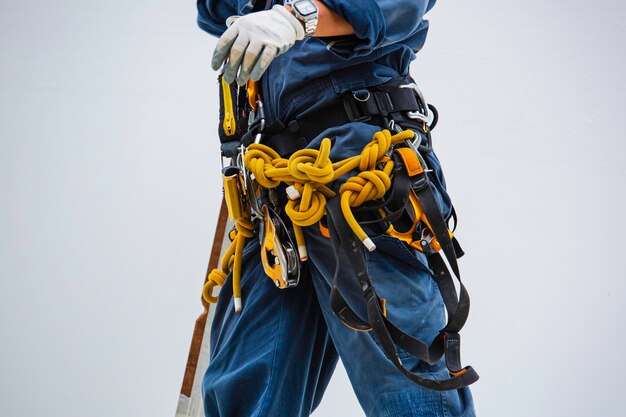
278	255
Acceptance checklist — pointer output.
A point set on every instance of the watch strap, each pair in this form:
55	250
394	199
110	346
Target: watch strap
309	22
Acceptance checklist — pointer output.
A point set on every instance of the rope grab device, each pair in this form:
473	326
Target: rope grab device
391	191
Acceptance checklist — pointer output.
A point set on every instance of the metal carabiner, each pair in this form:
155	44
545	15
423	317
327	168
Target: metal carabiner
248	182
423	114
414	144
261	118
426	241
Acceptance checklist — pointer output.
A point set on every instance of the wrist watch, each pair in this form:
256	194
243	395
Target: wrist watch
306	12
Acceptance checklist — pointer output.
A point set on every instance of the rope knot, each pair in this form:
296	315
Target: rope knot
312	165
375	150
368	185
306	216
260	159
216	278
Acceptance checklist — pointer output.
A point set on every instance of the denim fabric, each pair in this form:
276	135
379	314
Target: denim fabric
388	33
275	358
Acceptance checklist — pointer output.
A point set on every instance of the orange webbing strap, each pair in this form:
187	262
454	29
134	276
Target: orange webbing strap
413	169
411	161
252	88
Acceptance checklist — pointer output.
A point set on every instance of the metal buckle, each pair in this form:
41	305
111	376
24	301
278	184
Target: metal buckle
423	114
426	241
256	120
367	97
261	118
414	144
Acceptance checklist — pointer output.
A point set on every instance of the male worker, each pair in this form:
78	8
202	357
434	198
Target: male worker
276	356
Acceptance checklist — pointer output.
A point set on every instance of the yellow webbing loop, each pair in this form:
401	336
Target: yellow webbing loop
229	125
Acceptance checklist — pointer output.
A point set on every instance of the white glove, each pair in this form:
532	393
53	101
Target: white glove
253	41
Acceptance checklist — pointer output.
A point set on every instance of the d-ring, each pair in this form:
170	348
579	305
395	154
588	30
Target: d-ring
367	97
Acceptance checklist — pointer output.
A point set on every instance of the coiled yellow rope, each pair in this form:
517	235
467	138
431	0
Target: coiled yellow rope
307	172
230	261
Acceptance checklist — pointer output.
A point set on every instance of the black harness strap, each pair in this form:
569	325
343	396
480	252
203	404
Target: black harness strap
377	107
388	335
421	186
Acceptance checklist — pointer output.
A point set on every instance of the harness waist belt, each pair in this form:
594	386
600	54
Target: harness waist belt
376	108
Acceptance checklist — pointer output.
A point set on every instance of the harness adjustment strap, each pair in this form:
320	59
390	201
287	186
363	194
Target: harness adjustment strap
452	343
411	161
374	108
388	335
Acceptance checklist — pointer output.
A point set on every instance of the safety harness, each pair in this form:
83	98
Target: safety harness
391	193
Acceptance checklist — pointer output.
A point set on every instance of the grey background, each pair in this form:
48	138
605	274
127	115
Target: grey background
109	192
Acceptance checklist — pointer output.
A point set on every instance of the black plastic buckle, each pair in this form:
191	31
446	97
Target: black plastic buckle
352	110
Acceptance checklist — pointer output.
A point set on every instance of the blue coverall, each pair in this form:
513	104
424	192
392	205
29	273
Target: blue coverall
276	357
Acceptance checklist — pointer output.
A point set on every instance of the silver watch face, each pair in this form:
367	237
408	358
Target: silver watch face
305	7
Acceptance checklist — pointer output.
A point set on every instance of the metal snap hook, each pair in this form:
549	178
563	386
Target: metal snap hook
423	115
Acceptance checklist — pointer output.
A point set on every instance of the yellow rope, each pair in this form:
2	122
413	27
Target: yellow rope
231	261
309	171
368	185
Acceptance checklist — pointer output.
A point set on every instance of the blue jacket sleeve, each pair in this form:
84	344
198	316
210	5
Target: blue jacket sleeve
378	23
212	14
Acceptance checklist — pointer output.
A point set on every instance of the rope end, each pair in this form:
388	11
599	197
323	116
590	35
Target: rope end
238	307
369	244
304	254
292	193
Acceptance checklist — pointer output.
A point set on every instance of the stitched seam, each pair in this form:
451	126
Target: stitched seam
443	404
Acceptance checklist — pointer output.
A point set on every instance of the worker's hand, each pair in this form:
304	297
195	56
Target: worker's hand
252	41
